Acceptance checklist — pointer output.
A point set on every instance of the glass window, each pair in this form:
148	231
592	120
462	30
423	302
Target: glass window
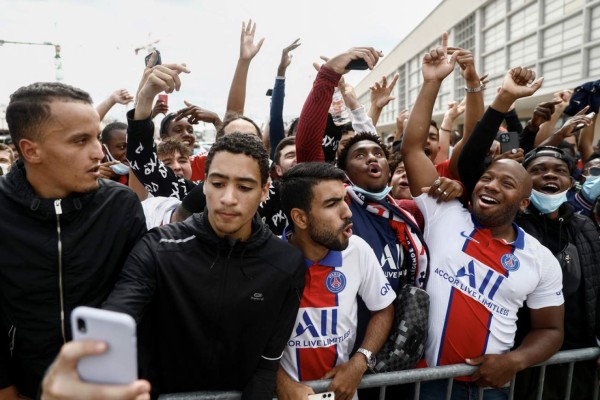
494	37
563	36
555	9
494	12
514	4
402	88
524	21
464	37
523	52
594	62
595	23
490	93
494	63
562	69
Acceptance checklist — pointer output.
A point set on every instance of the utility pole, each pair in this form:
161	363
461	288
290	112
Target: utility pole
57	58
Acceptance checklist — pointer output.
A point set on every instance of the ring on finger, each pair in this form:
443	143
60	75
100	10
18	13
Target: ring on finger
437	182
445	193
438	190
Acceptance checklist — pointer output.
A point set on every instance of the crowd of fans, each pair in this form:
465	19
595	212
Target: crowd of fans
278	255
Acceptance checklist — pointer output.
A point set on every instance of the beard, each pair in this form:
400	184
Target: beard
331	239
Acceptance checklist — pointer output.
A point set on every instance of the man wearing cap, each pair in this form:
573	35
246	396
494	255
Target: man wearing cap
573	239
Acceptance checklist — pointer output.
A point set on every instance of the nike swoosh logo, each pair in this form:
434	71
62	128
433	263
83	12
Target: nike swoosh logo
463	234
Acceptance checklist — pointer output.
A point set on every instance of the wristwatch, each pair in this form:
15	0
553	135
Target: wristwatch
370	357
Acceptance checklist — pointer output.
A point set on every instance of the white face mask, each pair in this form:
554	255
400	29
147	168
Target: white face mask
547	203
377	196
5	168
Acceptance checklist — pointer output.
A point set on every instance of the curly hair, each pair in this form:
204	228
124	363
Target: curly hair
241	143
342	159
170	146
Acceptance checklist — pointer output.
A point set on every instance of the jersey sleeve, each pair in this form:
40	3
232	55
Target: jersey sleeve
374	288
548	293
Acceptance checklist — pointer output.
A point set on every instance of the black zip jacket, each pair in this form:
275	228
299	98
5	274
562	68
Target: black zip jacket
221	311
54	256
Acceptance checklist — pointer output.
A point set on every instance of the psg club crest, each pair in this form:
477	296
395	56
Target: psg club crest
335	281
510	262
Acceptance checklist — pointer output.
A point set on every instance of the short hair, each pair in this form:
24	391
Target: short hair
229	118
11	154
549	151
346	128
342	159
296	185
170	146
288	141
434	124
394	160
29	107
293	127
165	123
108	130
241	143
593	156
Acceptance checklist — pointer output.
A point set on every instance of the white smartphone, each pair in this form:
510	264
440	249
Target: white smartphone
579	126
118	365
320	396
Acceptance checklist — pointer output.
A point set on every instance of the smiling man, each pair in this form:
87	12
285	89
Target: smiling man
483	266
218	292
65	233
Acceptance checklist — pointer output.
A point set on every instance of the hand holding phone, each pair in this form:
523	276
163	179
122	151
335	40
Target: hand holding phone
158	60
118	365
508	141
580	126
358	64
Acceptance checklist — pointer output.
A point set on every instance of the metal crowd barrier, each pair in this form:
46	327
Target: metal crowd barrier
423	374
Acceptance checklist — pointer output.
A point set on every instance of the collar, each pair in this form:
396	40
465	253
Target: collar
518	243
333	258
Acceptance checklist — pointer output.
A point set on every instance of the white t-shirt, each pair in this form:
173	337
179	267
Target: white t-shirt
478	283
158	210
325	328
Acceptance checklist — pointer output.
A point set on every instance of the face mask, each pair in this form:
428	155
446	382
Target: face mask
591	188
377	196
4	168
547	203
120	169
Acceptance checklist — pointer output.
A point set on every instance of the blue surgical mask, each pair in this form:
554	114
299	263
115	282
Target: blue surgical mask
120	169
377	196
591	188
547	203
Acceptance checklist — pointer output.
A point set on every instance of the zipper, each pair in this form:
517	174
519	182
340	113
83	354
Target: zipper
12	332
58	210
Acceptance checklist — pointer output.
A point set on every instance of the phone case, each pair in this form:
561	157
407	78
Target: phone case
508	141
320	396
118	365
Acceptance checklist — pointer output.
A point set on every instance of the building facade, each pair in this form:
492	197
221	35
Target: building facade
560	39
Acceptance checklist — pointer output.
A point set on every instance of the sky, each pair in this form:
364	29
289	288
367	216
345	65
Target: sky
98	38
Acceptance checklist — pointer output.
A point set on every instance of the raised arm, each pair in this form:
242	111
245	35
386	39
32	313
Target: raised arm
546	129
473	105
455	110
313	119
276	129
586	140
568	129
437	65
120	96
381	96
471	161
248	49
141	149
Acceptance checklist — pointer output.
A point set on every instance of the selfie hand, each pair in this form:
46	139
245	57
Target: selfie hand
62	380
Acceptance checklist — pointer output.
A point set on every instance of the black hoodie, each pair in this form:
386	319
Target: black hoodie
95	232
221	310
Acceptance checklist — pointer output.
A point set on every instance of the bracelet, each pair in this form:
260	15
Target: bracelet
475	90
444	129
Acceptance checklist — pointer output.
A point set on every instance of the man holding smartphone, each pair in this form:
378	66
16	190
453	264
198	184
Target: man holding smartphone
65	232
